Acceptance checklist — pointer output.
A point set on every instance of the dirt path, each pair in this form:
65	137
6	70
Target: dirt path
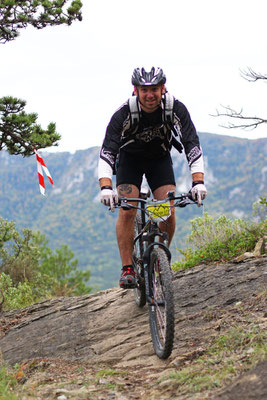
99	346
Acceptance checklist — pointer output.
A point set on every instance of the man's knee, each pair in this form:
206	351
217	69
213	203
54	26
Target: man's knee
162	192
126	215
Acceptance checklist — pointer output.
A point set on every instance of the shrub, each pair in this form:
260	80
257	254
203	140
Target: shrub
219	240
12	297
31	271
260	209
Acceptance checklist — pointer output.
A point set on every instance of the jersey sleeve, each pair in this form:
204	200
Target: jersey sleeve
104	169
189	136
197	165
111	143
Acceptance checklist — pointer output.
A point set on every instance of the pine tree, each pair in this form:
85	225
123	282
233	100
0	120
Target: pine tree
19	132
16	15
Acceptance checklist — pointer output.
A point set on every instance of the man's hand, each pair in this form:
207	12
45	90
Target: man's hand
109	198
199	192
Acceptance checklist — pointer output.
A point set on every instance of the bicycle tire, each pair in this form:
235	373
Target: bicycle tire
161	312
139	291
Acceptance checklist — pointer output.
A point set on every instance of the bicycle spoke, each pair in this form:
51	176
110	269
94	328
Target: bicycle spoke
161	320
161	312
139	291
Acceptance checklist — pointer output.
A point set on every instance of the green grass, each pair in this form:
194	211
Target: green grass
8	384
109	372
110	383
237	350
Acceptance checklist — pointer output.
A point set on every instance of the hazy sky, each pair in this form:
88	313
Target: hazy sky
78	76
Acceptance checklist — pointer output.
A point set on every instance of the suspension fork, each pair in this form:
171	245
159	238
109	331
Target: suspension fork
147	269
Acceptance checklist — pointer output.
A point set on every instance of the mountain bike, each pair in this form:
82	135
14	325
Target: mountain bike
152	263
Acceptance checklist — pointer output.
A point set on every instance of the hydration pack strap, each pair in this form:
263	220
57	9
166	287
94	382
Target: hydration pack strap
177	144
167	118
134	110
167	112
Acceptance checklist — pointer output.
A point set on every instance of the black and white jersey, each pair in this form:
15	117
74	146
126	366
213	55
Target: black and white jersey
151	138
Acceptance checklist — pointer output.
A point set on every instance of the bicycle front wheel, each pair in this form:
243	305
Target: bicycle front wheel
161	311
139	290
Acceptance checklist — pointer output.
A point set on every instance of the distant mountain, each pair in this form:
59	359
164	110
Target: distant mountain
236	175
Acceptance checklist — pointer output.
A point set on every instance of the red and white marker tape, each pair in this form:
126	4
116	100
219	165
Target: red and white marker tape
40	167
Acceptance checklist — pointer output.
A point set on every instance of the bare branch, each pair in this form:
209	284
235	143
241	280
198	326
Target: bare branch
252	76
242	121
252	122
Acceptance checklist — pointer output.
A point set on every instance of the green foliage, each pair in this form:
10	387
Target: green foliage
8	383
222	360
16	15
31	271
13	297
19	131
260	209
19	253
60	272
238	339
109	372
263	201
219	240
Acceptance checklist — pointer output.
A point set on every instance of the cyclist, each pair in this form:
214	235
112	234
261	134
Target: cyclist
138	142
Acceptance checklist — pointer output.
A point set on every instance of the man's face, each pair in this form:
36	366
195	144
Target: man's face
149	96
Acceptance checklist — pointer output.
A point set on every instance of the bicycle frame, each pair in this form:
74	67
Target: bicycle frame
148	240
150	230
151	261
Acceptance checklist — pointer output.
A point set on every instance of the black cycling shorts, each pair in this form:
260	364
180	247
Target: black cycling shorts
132	167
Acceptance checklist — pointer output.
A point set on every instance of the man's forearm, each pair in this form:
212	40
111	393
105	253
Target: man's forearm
198	177
105	182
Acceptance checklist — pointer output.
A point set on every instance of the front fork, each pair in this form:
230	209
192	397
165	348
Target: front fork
147	270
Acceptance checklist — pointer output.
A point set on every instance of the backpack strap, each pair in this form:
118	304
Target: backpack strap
167	112
168	118
134	121
134	110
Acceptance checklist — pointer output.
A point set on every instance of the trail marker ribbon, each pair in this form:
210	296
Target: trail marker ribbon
40	167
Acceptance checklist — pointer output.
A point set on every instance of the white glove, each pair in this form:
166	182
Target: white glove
109	198
199	193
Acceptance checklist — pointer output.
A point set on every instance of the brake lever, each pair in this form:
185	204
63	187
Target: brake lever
124	204
182	203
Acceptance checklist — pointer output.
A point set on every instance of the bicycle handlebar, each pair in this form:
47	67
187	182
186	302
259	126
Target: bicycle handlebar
182	200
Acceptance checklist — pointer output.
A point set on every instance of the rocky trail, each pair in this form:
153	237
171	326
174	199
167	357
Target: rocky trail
99	346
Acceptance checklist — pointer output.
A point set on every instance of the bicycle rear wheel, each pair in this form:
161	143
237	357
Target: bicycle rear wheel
139	290
161	312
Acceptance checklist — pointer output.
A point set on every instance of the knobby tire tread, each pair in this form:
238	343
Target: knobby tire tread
139	292
163	348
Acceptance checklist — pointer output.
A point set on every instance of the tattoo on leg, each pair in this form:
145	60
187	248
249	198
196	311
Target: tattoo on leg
125	189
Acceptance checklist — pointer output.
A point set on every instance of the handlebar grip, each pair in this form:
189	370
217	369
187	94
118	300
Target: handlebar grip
171	195
189	194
